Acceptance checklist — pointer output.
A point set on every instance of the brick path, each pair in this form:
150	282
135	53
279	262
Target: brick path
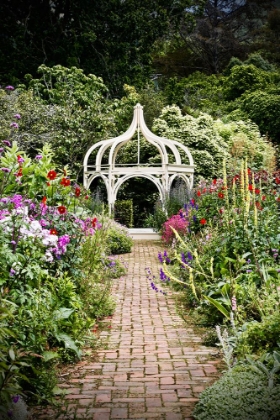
154	367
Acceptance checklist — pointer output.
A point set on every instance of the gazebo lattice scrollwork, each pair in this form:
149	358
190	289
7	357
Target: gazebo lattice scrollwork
114	175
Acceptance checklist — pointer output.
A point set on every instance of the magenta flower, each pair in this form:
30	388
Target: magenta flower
14	125
7	143
9	87
6	170
1	149
38	157
17	116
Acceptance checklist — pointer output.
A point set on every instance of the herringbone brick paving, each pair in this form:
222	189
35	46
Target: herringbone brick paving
155	366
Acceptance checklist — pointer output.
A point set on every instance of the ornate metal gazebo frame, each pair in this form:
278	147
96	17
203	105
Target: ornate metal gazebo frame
162	175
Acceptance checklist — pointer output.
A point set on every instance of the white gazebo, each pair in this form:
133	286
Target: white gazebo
114	174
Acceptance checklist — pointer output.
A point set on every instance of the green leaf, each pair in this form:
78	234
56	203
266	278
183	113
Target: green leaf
12	354
49	355
62	313
68	342
217	304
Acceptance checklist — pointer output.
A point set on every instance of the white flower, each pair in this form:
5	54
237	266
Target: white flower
35	226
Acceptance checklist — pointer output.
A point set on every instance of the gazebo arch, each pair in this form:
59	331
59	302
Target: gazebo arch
114	174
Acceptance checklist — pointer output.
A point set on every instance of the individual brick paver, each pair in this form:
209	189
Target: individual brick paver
155	366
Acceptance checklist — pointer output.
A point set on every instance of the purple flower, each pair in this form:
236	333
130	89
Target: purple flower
12	272
7	143
15	398
248	271
1	149
7	170
20	160
9	87
160	257
38	157
14	125
190	257
17	116
183	258
162	275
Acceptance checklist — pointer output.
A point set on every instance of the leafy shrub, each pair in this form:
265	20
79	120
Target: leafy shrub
262	336
241	395
118	240
124	212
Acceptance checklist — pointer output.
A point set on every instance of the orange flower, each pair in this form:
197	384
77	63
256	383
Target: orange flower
19	173
51	175
61	209
44	200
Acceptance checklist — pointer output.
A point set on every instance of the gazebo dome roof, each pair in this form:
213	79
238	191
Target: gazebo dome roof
115	174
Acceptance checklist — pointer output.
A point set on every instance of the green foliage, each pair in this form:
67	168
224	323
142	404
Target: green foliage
262	336
246	78
198	134
123	212
119	242
263	108
239	394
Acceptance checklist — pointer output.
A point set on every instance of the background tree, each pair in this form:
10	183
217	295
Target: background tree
223	29
112	39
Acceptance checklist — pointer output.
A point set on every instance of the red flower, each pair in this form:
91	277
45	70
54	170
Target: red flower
198	193
221	195
192	201
48	184
65	182
203	221
53	231
251	187
19	173
19	158
214	181
77	191
277	180
257	190
86	197
263	197
249	171
44	200
61	209
51	175
258	205
93	222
